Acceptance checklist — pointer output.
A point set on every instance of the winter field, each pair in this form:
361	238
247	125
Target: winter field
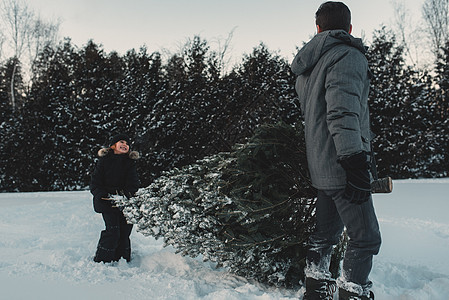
48	240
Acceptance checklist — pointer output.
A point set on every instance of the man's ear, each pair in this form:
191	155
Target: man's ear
318	29
350	29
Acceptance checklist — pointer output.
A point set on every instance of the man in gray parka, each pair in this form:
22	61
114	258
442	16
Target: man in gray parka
332	86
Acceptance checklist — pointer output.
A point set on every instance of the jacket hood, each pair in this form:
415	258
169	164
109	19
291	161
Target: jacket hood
310	54
132	154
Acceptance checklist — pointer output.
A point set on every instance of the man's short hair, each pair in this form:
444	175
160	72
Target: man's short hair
333	15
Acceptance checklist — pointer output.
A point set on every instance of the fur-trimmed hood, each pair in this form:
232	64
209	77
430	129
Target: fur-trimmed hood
132	154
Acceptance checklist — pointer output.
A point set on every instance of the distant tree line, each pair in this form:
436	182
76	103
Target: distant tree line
183	108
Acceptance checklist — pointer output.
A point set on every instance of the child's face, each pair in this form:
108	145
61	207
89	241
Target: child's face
121	147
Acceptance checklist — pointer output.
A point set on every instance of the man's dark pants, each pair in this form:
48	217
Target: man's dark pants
334	213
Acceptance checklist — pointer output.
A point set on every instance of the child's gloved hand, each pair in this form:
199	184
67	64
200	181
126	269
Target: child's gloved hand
109	198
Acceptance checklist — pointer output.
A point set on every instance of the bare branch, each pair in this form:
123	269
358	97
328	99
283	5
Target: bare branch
23	31
17	19
436	16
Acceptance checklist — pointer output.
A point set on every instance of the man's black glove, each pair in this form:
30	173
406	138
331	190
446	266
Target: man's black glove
358	182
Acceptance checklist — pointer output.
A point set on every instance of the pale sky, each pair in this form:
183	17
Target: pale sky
121	25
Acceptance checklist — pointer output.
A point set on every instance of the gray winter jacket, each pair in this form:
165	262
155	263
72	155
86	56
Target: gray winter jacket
333	86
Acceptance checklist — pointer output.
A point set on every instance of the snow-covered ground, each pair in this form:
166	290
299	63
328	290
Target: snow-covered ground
47	241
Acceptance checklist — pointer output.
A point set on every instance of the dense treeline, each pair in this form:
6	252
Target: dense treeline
183	108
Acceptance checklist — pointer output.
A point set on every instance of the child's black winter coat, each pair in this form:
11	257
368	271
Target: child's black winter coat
113	175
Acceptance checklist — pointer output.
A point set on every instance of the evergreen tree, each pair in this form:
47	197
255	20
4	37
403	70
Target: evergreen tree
441	108
143	85
260	90
200	113
98	96
75	105
186	109
7	131
400	116
250	210
52	108
98	105
14	159
179	125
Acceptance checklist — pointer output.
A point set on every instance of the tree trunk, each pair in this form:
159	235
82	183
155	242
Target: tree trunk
13	99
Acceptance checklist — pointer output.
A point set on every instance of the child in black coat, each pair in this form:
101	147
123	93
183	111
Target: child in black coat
115	174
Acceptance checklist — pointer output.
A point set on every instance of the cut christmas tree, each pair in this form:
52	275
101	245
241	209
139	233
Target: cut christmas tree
250	210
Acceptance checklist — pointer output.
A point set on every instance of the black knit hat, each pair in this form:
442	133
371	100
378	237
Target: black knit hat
119	137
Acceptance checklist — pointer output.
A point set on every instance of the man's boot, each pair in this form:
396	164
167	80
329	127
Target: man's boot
346	295
319	289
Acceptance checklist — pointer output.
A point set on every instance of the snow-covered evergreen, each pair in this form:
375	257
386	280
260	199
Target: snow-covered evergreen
183	108
250	210
403	113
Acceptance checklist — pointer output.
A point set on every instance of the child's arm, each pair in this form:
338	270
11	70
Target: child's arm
96	181
132	181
